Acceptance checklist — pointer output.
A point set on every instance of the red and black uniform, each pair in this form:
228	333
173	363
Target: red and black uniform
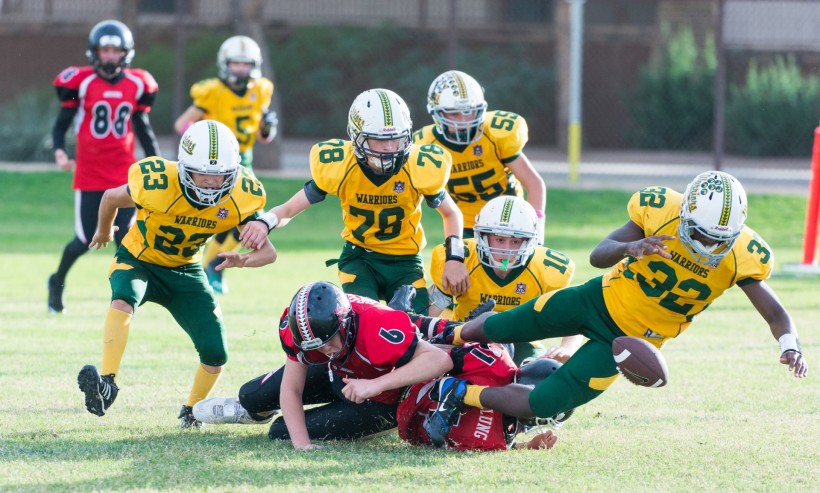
476	429
106	115
385	339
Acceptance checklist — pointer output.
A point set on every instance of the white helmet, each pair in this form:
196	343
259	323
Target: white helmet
239	49
456	91
713	208
208	148
380	114
506	216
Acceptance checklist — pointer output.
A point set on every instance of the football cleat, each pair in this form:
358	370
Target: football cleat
449	394
100	390
187	421
218	284
224	410
403	298
481	309
55	295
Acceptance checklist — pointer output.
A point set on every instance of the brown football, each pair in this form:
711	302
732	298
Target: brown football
640	362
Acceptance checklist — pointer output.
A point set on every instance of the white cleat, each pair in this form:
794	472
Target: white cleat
223	410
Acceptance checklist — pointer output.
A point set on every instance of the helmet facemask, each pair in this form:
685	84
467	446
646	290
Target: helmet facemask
380	115
713	214
511	217
532	372
208	148
456	102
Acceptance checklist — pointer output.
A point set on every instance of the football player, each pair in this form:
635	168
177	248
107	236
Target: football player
180	205
487	148
350	354
480	429
240	98
672	259
506	265
108	102
381	179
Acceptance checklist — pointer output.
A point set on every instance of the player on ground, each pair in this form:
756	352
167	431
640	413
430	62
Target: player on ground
479	429
350	354
505	264
240	98
381	179
108	103
674	256
180	205
487	148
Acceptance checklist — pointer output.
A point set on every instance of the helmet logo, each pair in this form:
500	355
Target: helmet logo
188	145
386	109
356	119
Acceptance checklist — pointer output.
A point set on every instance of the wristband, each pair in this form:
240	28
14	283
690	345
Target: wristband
539	213
270	219
788	342
454	249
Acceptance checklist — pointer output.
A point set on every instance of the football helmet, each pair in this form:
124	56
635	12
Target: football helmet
506	216
110	33
239	49
208	148
457	92
531	374
319	311
714	209
380	115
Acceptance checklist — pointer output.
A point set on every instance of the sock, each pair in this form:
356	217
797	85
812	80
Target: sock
457	340
204	382
473	395
72	251
115	337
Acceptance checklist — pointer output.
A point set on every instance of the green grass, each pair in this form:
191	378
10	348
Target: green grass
731	419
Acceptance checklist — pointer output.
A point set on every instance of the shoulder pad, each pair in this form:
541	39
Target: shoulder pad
508	130
160	176
71	77
653	207
429	167
330	161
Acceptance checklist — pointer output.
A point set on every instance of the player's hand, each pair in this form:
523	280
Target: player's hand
650	245
101	238
232	259
359	390
455	279
270	125
253	235
543	441
558	353
797	364
63	162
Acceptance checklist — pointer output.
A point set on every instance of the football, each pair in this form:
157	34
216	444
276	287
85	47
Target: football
640	362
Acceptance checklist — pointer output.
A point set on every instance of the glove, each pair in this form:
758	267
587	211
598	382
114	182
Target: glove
270	125
403	298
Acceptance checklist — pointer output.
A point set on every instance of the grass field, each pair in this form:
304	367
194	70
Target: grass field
731	419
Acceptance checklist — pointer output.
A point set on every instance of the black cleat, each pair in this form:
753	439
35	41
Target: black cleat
451	392
100	391
187	421
55	295
403	299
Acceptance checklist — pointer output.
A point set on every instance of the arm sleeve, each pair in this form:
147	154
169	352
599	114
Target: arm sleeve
314	193
64	118
145	133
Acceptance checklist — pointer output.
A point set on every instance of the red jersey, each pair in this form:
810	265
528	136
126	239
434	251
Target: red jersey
476	429
385	340
105	138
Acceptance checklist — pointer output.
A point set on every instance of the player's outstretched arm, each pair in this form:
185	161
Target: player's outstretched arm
188	118
256	232
628	240
455	279
780	323
291	390
255	258
112	199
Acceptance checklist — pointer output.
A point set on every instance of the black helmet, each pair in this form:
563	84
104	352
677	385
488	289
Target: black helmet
319	311
110	33
533	373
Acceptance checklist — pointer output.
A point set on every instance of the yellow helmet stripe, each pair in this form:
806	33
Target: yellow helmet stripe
462	89
213	142
506	211
386	109
727	201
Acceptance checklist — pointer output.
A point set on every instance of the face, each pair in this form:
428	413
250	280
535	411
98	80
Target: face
505	243
110	56
213	182
377	145
240	70
332	347
459	116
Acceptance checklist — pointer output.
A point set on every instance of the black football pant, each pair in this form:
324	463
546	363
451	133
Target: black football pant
337	419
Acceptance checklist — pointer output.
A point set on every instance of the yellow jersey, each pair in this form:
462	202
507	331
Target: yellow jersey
480	171
657	298
170	230
381	214
241	113
545	271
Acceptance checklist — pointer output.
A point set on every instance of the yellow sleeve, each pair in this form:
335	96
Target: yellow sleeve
151	183
203	95
265	92
249	195
652	207
329	162
510	133
429	166
755	259
424	135
437	267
